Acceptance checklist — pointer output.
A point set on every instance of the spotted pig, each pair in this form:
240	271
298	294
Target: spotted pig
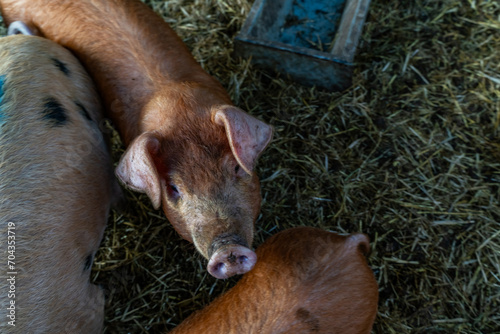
56	185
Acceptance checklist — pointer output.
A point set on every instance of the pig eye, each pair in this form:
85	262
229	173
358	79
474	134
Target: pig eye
173	192
237	169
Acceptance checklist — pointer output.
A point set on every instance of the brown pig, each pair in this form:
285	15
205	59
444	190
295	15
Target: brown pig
56	185
306	281
189	148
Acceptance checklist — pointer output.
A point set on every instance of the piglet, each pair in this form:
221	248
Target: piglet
306	281
189	148
56	186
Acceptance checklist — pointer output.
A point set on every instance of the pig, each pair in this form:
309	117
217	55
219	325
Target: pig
56	188
188	147
306	281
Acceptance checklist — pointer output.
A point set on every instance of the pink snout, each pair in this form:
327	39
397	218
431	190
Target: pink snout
231	260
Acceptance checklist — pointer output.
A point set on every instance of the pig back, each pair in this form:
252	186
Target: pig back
306	281
56	183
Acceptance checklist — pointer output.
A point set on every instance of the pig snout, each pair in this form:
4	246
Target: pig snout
229	256
231	260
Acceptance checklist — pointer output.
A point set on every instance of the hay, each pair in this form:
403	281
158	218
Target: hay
409	154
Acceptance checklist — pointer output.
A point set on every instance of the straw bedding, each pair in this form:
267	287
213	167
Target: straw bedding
409	155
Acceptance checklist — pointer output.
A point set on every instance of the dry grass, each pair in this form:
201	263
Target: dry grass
409	154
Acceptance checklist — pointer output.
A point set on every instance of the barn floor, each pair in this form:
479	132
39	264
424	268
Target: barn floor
409	155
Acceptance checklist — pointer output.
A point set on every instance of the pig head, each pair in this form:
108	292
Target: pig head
200	168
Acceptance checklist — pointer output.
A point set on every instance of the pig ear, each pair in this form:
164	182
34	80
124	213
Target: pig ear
137	169
247	135
359	242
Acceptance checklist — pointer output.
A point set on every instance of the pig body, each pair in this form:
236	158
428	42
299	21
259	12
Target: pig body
55	190
189	149
306	281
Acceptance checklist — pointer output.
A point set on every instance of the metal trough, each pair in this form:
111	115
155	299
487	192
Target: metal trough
312	41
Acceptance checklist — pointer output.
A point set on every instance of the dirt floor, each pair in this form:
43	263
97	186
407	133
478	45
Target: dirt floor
409	155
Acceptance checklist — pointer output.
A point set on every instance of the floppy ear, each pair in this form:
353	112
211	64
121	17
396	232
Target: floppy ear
137	169
247	135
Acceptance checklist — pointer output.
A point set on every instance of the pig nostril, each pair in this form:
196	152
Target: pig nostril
219	267
242	259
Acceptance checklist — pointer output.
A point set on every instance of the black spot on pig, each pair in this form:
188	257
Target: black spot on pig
83	111
88	263
54	112
307	318
61	66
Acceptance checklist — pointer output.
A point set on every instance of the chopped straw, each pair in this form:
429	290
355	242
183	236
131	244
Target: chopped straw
409	155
